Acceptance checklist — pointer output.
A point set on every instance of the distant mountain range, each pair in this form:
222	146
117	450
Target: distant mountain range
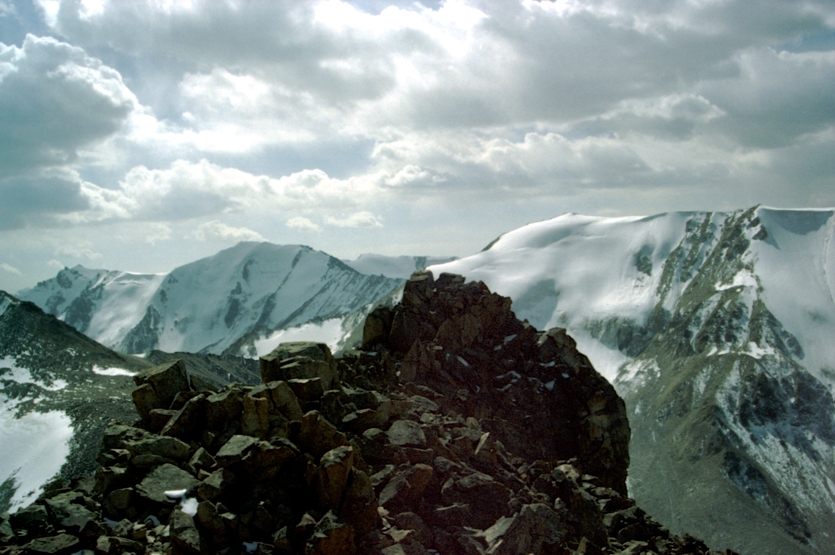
226	303
717	329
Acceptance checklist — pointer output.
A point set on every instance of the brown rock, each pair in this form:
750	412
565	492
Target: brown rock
318	435
406	433
332	476
145	400
162	446
406	486
300	360
222	408
359	507
165	478
331	536
187	420
535	529
184	533
376	328
255	417
166	380
307	389
235	449
62	544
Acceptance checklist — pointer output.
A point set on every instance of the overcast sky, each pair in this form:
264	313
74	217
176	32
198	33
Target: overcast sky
143	135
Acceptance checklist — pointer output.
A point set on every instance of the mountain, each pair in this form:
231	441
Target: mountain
57	390
454	429
716	329
220	304
394	266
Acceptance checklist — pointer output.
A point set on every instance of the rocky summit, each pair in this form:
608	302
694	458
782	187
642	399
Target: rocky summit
454	429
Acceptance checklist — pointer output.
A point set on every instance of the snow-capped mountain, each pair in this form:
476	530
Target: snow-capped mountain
57	390
394	266
223	303
717	330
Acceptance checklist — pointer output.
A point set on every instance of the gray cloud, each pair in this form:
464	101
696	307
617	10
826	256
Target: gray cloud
55	99
37	201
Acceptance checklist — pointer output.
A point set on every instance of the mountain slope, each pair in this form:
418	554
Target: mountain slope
716	329
57	390
220	304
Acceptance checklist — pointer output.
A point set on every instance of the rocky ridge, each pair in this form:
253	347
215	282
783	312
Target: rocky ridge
455	428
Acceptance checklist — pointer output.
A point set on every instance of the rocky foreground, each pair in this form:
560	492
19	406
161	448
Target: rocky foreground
456	429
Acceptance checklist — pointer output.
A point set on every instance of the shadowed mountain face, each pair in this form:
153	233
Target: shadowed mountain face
716	329
58	388
220	304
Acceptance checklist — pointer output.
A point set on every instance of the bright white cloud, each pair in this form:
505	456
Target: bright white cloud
9	268
55	99
220	232
358	219
301	223
80	250
155	232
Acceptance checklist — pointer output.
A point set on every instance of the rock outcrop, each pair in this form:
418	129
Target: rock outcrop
456	429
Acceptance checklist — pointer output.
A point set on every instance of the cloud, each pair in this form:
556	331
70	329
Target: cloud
83	249
303	224
56	264
9	268
325	114
29	201
358	219
190	190
155	232
55	99
220	232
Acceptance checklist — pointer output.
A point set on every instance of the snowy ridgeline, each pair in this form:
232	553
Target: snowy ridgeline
255	290
577	271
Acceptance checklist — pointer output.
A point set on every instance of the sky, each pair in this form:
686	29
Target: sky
140	136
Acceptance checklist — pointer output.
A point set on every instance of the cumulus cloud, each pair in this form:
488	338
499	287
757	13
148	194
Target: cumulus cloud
154	232
191	190
56	264
301	223
55	99
218	231
9	268
357	219
83	249
27	201
327	115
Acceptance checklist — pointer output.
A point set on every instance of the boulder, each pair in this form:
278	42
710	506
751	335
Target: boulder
319	436
166	380
162	479
162	446
331	536
184	533
300	360
332	476
406	486
62	544
406	433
